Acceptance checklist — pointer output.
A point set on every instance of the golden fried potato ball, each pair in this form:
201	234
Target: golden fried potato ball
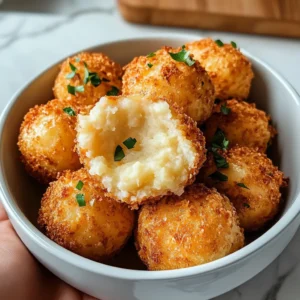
140	149
159	75
229	70
188	230
251	182
103	75
47	140
76	214
242	123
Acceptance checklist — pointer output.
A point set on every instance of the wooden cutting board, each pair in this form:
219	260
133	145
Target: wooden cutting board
274	17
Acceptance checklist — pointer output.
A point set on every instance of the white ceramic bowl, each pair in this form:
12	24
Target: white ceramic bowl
21	196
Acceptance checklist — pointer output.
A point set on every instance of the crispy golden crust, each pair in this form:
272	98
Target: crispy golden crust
187	86
189	130
96	62
97	230
260	202
245	125
178	232
229	70
46	140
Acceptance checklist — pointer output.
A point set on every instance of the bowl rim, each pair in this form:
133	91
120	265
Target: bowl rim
37	237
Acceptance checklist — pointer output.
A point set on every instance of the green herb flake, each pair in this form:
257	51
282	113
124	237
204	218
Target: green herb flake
86	77
246	205
242	185
72	74
151	54
69	111
220	161
129	143
218	176
73	89
92	77
150	65
79	185
225	110
113	92
233	44
119	153
217	101
183	56
219	43
80	200
219	140
77	59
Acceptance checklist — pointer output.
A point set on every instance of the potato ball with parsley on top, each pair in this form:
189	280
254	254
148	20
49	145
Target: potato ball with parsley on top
229	69
242	123
251	182
140	148
174	75
76	214
86	77
47	140
183	231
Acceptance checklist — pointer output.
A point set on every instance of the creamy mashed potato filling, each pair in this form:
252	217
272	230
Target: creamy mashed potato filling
161	159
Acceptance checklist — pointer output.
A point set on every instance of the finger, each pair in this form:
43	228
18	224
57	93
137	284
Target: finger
3	215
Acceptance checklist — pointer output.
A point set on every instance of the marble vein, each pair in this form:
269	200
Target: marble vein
15	35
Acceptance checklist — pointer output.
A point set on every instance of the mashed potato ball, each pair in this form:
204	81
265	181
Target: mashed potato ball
86	77
140	149
47	140
229	70
251	182
75	214
242	123
188	230
158	74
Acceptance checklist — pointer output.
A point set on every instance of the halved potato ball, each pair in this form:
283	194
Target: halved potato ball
47	140
193	229
242	123
229	70
76	214
140	149
86	77
251	182
160	75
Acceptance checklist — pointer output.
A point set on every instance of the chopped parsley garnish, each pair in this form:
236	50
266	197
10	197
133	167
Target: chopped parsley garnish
218	176
242	185
233	44
217	101
80	199
93	77
225	110
113	92
129	143
219	43
151	54
77	59
246	205
220	161
219	140
69	111
72	74
79	185
73	89
119	153
150	65
183	56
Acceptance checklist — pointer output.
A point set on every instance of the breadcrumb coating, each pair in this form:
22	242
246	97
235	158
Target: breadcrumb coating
228	68
197	227
97	230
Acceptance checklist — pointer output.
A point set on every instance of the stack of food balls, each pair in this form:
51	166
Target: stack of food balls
163	121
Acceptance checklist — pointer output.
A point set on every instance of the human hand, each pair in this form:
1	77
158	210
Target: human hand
22	277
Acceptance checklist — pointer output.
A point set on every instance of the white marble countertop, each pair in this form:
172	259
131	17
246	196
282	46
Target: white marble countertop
42	32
